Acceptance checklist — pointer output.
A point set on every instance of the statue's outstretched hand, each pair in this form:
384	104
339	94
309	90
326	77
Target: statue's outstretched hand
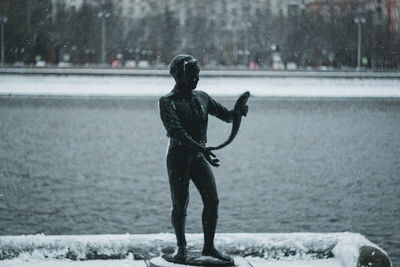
211	158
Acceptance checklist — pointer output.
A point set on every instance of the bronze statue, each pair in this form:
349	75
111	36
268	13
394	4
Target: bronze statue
184	113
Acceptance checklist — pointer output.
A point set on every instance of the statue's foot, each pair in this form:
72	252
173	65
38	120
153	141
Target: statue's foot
180	255
216	254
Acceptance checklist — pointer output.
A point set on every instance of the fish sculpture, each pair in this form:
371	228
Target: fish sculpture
237	119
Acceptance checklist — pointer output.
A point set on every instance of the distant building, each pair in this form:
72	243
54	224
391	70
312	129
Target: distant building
75	4
391	14
288	8
231	9
383	11
235	12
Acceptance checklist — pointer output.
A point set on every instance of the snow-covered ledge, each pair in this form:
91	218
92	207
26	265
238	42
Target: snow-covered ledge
349	249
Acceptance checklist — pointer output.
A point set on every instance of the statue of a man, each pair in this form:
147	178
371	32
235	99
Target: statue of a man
184	113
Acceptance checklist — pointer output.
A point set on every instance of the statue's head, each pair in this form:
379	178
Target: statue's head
185	70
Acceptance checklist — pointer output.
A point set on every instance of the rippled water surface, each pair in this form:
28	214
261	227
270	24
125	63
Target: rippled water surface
96	166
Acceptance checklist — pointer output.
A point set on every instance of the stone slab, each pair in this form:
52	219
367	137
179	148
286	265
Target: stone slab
160	262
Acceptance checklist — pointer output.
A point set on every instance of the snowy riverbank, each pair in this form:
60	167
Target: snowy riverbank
52	85
335	249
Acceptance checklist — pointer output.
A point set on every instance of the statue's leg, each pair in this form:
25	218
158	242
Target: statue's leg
179	185
203	178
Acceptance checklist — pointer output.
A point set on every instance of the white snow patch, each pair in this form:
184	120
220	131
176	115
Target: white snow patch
348	246
221	86
69	263
256	262
277	248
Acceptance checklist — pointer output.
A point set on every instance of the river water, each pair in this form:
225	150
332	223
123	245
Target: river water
96	165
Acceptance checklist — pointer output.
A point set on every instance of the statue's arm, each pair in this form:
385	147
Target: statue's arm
173	126
218	110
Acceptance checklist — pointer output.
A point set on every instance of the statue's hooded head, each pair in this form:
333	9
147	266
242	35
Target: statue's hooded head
185	70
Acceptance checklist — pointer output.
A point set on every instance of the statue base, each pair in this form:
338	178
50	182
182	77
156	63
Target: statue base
198	260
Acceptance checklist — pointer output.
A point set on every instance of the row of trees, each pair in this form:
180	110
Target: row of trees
55	33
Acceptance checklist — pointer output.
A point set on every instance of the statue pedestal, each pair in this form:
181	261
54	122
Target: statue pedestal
198	261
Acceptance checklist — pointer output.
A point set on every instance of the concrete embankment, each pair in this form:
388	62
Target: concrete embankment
204	73
294	249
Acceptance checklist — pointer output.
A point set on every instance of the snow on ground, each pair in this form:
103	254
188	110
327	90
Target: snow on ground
306	249
222	86
130	263
259	262
70	263
305	263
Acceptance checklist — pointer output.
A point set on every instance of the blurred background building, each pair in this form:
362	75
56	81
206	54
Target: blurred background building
222	34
